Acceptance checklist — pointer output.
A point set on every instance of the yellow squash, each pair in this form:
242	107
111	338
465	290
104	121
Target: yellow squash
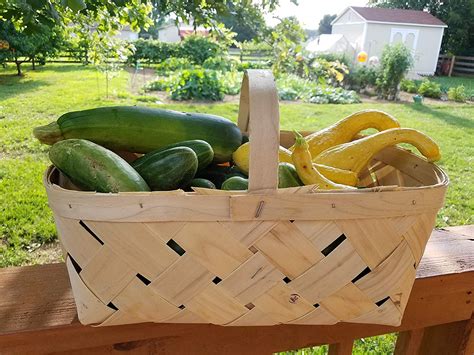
308	172
354	156
241	159
347	129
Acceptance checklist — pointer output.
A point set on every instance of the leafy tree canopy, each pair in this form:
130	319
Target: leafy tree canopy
24	47
457	14
325	24
245	19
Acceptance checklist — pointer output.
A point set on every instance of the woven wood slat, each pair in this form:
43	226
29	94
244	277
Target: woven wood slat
297	256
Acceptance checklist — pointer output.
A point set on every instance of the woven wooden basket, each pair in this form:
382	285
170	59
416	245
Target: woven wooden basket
269	256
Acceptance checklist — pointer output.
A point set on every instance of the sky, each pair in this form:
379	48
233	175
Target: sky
310	12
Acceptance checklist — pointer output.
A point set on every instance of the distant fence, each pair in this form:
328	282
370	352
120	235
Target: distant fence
455	65
251	55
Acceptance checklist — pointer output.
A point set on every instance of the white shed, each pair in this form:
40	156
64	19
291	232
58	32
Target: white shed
371	28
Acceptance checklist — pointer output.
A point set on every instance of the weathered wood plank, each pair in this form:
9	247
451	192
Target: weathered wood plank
409	342
342	348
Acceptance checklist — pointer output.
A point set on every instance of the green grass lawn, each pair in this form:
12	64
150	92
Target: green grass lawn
447	82
40	97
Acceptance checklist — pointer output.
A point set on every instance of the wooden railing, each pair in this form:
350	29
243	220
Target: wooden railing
455	65
38	315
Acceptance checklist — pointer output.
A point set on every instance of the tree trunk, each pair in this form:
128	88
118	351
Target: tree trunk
18	69
33	63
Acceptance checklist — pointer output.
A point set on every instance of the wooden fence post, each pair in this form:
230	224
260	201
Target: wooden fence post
342	348
451	67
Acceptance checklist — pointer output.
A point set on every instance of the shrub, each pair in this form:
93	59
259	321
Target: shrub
253	65
360	77
408	85
430	89
162	83
331	72
198	48
198	84
173	64
220	63
327	94
395	62
333	57
292	87
457	94
231	81
153	51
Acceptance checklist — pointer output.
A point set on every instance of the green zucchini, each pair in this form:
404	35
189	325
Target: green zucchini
218	173
200	182
287	176
235	183
203	151
95	168
142	130
169	169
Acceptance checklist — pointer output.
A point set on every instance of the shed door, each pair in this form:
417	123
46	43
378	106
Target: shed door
408	36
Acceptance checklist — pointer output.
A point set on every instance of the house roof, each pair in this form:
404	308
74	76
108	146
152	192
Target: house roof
379	14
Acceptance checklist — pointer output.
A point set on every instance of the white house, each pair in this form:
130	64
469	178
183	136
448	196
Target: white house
170	32
371	28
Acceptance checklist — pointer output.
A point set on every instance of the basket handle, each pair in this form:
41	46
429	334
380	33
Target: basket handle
259	116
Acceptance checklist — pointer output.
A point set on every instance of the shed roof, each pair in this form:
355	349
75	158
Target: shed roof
379	14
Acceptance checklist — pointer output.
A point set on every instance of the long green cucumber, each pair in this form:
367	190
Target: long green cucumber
95	168
235	183
287	176
203	151
169	169
142	130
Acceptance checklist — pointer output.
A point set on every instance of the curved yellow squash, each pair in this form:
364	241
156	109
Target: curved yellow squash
354	156
308	172
241	159
346	129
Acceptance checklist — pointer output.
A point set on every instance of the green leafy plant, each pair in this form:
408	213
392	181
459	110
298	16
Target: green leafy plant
153	51
199	48
395	62
410	86
231	81
286	40
173	64
221	63
198	84
457	94
253	65
429	89
361	76
292	87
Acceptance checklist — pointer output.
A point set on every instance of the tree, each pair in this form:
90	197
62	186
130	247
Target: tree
286	39
457	14
395	62
245	19
24	47
325	24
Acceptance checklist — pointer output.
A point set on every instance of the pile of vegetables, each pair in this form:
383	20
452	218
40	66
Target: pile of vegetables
118	149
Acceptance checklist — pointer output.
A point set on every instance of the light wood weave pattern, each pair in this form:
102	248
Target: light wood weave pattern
262	273
263	257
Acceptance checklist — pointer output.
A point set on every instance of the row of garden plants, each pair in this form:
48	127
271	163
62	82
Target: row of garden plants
429	88
201	68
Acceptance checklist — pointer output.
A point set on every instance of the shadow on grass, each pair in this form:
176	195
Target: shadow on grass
13	85
441	114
